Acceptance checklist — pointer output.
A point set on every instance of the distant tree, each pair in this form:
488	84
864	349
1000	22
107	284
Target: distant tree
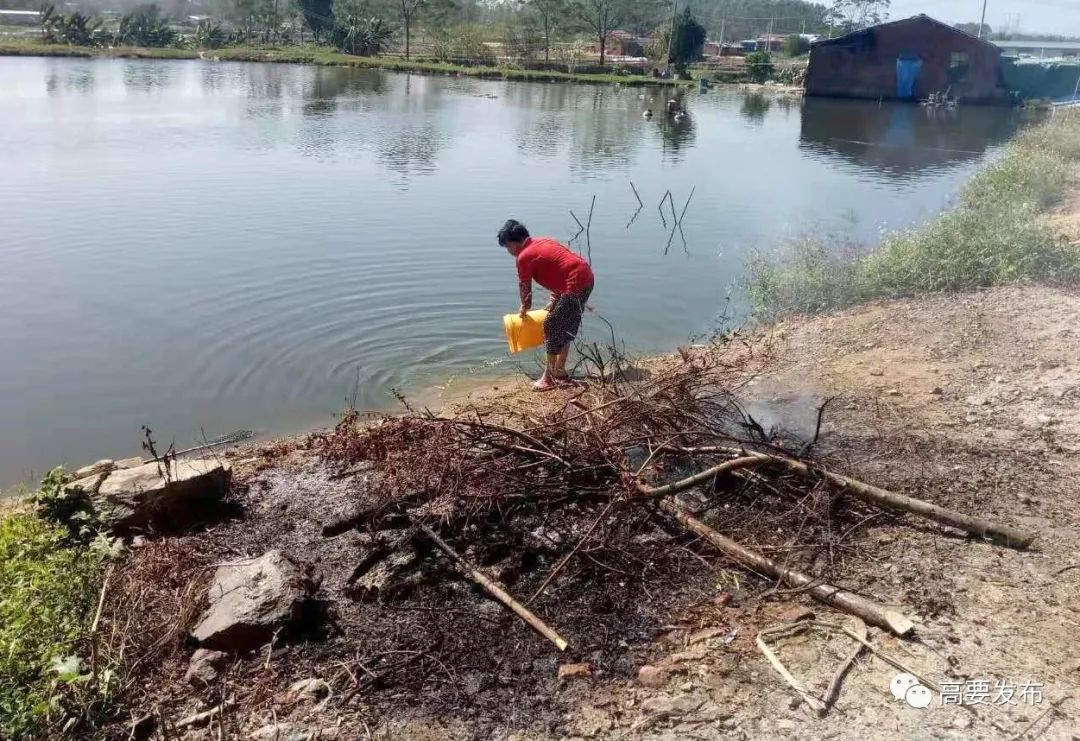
551	14
851	15
973	29
759	66
796	45
688	42
318	15
408	13
601	17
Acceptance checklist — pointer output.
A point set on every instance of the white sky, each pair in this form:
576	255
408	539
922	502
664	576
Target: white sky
1033	16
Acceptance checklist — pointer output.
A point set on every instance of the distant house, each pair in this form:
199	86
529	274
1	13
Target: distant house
623	44
1040	49
907	60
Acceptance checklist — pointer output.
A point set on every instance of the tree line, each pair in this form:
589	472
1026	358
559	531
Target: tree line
460	29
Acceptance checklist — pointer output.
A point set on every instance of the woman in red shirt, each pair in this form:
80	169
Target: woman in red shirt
570	280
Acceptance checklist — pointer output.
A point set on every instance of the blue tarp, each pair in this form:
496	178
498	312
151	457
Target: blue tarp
907	77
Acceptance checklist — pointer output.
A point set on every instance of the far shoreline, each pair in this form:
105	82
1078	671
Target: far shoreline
320	56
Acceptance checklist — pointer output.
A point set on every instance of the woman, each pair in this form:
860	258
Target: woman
570	280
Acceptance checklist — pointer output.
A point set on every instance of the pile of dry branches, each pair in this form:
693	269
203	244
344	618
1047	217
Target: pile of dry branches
676	444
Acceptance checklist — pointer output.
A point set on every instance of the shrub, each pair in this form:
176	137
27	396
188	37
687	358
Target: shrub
76	29
145	26
209	35
759	66
361	36
47	592
796	46
997	235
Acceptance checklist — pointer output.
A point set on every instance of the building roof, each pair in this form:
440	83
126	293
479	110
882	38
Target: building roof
1036	45
921	18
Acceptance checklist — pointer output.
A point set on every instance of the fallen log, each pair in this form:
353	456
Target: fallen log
493	588
1004	534
870	612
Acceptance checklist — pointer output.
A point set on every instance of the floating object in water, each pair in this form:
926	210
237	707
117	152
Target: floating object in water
527	333
647	113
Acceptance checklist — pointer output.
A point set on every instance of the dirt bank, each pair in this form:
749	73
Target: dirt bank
969	402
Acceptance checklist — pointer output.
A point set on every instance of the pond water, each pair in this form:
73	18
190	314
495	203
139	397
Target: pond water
204	247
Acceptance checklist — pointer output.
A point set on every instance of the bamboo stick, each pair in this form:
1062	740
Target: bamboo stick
1010	536
833	596
496	591
692	481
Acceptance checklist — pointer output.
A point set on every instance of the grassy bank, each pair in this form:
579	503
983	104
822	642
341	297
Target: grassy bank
51	678
998	234
328	57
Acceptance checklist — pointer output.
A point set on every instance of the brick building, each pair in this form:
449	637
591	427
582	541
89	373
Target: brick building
907	60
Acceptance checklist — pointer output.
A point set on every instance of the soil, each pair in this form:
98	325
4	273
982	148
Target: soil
971	402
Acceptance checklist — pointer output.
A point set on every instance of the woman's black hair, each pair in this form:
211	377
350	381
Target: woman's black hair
512	231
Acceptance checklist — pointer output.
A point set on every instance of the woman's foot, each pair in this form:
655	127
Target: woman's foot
545	384
561	376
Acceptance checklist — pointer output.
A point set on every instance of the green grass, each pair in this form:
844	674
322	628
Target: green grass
998	234
48	593
325	56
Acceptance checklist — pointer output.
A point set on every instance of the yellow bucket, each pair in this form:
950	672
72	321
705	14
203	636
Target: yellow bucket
523	334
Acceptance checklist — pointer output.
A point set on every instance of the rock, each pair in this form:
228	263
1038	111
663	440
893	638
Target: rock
669	706
685	657
653	676
387	578
877	372
938	391
1071	666
797	613
249	601
893	392
141	497
205	668
127	463
87	484
312	689
104	466
569	671
294	732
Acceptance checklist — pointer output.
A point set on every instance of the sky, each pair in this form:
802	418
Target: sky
1060	17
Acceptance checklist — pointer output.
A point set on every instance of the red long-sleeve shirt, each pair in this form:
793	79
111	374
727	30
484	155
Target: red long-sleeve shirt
553	266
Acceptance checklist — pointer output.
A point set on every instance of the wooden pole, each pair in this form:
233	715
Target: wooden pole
495	590
671	38
1010	536
826	593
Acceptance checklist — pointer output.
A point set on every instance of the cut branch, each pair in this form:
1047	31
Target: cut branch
826	593
496	591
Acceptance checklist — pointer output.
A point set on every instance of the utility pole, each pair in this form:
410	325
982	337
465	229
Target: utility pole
768	37
671	36
982	22
723	27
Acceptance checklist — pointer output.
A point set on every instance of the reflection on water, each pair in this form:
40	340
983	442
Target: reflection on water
201	246
900	140
755	107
